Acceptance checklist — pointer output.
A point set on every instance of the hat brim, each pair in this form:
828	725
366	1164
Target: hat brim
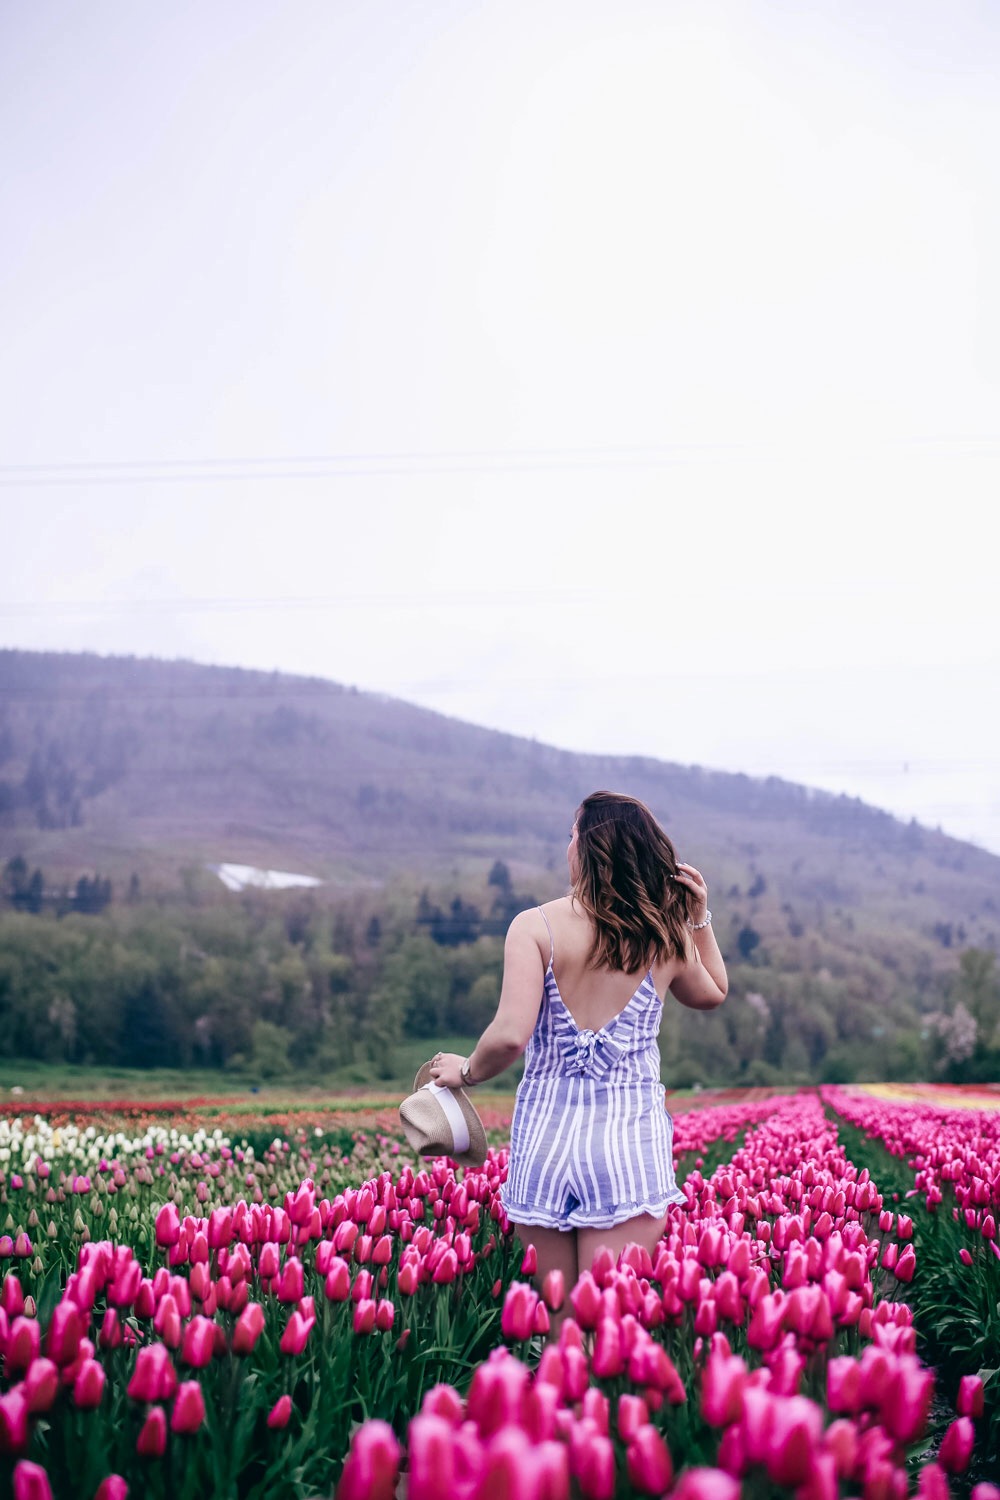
478	1145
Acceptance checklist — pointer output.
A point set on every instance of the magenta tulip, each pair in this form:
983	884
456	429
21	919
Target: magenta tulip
372	1465
152	1439
956	1446
280	1413
31	1482
189	1408
648	1462
88	1388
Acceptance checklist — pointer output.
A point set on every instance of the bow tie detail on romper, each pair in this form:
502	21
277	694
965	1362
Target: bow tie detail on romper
594	1052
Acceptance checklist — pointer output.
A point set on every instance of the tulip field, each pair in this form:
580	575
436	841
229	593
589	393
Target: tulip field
196	1301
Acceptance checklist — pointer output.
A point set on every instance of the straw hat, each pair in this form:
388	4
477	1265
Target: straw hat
443	1122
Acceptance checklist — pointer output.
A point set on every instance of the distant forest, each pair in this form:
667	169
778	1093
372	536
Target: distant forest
295	984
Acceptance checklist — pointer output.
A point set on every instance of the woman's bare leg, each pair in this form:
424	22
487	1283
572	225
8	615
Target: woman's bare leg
555	1250
646	1230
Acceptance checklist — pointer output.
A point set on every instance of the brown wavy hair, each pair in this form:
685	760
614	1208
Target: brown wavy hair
627	884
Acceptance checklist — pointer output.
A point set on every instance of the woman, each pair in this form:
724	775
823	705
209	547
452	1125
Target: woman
591	1159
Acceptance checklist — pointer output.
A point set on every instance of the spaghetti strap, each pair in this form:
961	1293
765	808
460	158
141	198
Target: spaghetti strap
552	945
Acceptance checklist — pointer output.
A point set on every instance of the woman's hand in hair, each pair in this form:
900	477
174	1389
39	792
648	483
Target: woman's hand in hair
694	883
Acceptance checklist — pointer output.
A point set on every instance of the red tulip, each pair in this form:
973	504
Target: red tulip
280	1412
956	1446
31	1482
648	1462
88	1388
152	1439
189	1408
372	1465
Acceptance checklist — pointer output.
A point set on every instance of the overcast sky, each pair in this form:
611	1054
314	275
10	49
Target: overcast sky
621	374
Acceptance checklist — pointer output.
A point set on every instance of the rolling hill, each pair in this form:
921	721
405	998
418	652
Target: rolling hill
121	764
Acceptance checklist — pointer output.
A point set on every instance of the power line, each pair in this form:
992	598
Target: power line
300	467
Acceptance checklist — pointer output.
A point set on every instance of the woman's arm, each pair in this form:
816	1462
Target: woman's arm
506	1037
702	983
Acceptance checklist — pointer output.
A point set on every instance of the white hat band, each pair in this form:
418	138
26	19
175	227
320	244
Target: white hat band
453	1114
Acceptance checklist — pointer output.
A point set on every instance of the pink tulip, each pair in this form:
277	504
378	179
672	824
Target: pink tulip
517	1318
595	1469
586	1300
88	1388
24	1342
110	1336
364	1316
152	1439
296	1333
189	1408
956	1446
706	1484
154	1377
445	1402
11	1295
113	1487
608	1358
431	1457
906	1399
31	1482
906	1265
40	1386
14	1420
372	1466
168	1226
932	1483
281	1411
843	1384
970	1396
554	1290
248	1328
66	1329
199	1343
722	1383
648	1462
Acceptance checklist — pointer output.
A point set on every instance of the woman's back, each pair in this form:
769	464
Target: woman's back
593	997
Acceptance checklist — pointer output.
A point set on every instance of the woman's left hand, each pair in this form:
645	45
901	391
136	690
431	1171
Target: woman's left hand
446	1069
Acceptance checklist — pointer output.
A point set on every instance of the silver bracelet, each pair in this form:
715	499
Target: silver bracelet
697	926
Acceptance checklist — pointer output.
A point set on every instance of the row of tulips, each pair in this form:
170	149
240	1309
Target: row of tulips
944	1164
763	1350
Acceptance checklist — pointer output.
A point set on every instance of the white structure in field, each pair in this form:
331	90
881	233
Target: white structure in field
240	877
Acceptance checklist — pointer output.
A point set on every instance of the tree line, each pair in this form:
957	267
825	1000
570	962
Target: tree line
297	982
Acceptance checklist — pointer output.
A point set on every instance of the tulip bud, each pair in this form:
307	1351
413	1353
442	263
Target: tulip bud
280	1413
88	1388
189	1408
956	1446
647	1460
113	1487
152	1439
372	1466
31	1482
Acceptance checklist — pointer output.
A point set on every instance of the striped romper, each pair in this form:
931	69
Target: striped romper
591	1143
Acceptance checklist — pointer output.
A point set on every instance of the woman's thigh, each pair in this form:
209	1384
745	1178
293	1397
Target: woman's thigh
555	1250
645	1229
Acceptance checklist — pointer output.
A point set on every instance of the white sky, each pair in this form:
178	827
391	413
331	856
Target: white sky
624	375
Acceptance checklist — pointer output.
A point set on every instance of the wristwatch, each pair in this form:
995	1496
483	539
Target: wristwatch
465	1076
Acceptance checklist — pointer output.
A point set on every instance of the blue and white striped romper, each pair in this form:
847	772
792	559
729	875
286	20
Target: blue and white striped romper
591	1143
